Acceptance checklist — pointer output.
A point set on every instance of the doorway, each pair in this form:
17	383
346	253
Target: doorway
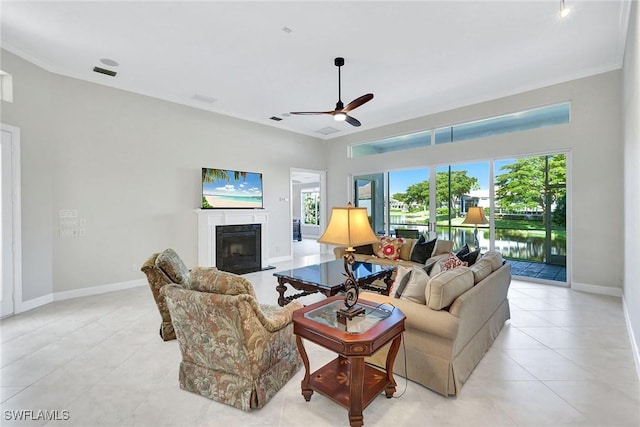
10	255
308	211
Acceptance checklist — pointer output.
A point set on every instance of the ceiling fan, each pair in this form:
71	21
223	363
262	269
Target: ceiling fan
340	113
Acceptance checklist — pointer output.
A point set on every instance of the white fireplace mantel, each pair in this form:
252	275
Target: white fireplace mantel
208	219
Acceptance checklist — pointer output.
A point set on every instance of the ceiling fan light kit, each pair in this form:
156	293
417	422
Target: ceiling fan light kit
340	112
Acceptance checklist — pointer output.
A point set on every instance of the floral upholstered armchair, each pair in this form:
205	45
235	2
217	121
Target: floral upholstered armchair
162	269
234	350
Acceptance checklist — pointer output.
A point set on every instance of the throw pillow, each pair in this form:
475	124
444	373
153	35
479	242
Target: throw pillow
443	247
452	262
364	249
470	257
422	250
402	273
462	252
390	247
416	286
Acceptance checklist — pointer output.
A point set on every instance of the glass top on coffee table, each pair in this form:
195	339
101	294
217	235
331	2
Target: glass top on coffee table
328	278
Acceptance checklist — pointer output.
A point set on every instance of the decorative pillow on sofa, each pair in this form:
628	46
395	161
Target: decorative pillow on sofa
402	277
452	262
443	247
444	288
416	286
390	247
462	252
422	250
470	257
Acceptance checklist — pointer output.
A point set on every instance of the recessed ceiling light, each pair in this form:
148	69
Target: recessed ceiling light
109	62
287	29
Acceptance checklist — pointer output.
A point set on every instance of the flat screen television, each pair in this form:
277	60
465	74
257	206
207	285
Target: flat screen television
231	189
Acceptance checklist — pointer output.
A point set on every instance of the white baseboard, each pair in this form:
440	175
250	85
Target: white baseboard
280	259
632	338
32	303
597	289
97	290
76	293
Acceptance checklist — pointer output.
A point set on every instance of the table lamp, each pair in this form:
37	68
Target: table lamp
475	216
349	227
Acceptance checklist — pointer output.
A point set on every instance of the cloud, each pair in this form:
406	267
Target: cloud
228	187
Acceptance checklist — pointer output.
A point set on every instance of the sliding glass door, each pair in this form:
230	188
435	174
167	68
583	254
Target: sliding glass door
459	187
530	216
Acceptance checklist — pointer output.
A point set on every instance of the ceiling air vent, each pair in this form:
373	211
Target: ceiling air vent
327	130
274	118
104	71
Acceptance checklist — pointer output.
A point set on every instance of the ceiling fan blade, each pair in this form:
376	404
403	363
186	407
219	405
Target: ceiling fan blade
358	102
352	121
311	112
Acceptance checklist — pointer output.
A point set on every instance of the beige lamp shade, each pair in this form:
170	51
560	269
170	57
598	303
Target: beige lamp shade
348	227
475	216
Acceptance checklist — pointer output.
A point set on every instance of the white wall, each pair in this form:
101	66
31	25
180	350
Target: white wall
130	165
631	101
593	137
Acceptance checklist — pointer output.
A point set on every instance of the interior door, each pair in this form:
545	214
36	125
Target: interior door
6	230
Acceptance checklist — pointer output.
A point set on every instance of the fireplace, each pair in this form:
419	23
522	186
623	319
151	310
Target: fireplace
238	248
210	219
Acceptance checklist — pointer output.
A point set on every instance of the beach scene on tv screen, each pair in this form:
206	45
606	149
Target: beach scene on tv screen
222	188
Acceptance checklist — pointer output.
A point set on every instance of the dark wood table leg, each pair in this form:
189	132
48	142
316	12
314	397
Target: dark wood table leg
356	390
391	358
388	281
307	392
281	288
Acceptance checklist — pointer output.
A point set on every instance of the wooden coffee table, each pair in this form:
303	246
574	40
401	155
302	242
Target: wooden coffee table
328	279
347	380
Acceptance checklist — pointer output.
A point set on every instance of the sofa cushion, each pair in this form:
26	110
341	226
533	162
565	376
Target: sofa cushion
481	270
445	287
416	285
390	247
422	250
496	259
169	262
452	262
470	257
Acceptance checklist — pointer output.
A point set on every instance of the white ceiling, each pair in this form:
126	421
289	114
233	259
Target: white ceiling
416	57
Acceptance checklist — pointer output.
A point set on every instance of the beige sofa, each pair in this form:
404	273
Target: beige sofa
444	340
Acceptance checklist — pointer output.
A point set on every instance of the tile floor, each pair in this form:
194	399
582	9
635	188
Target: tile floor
564	359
